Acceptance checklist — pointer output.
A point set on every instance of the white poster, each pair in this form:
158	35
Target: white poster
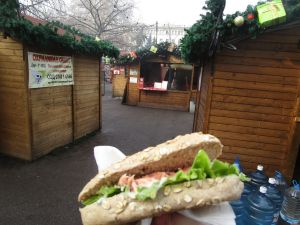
133	80
49	70
133	72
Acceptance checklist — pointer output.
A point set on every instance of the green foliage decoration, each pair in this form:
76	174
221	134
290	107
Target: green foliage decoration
292	8
145	53
124	60
162	51
46	36
195	44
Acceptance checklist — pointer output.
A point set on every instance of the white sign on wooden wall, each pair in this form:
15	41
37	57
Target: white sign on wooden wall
133	80
49	70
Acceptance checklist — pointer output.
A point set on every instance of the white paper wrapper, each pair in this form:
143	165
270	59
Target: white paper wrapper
221	214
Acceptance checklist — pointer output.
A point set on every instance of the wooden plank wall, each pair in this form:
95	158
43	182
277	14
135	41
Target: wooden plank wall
51	118
254	97
202	101
193	95
87	96
14	119
132	88
118	85
177	100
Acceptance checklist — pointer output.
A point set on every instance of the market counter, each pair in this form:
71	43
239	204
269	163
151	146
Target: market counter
170	99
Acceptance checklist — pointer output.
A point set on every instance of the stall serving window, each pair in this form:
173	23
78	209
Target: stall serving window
166	76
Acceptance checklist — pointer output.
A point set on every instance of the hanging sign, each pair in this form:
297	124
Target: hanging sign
49	70
271	13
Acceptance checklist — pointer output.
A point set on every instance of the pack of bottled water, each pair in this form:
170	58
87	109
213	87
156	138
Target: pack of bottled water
265	199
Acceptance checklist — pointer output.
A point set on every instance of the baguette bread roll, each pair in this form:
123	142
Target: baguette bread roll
122	209
168	156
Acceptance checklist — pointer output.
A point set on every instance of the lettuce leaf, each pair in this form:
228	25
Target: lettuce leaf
108	191
202	168
104	192
179	177
202	161
91	200
145	193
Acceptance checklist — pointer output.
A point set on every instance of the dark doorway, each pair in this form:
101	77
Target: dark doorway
297	167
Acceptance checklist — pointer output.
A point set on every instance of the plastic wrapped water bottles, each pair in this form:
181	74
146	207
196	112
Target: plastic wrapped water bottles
259	209
290	211
259	178
238	207
275	195
280	181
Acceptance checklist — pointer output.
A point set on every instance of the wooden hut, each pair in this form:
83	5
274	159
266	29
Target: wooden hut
165	83
119	80
249	99
35	119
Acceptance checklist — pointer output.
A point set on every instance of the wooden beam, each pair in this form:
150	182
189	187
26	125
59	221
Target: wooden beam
29	105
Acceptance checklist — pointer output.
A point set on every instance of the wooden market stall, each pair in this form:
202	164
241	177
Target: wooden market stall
249	99
165	83
49	98
119	80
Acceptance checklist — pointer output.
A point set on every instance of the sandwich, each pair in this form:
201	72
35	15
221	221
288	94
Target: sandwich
179	174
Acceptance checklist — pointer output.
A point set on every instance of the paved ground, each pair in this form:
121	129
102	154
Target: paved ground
44	192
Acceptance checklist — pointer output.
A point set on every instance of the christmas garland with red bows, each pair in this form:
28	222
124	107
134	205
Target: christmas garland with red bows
195	44
162	50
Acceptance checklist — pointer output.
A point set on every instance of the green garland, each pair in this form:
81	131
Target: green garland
124	60
145	53
46	37
195	44
162	51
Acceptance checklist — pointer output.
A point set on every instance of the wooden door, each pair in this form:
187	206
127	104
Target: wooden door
132	88
51	110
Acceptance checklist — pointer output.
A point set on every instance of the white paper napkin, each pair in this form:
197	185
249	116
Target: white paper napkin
221	214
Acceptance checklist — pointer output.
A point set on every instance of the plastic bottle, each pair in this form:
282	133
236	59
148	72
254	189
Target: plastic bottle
237	162
258	178
280	181
275	195
238	205
290	211
259	209
248	188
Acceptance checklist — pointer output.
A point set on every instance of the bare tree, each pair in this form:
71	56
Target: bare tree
43	9
107	19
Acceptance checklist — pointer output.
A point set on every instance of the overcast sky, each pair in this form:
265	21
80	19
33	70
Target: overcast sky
180	12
